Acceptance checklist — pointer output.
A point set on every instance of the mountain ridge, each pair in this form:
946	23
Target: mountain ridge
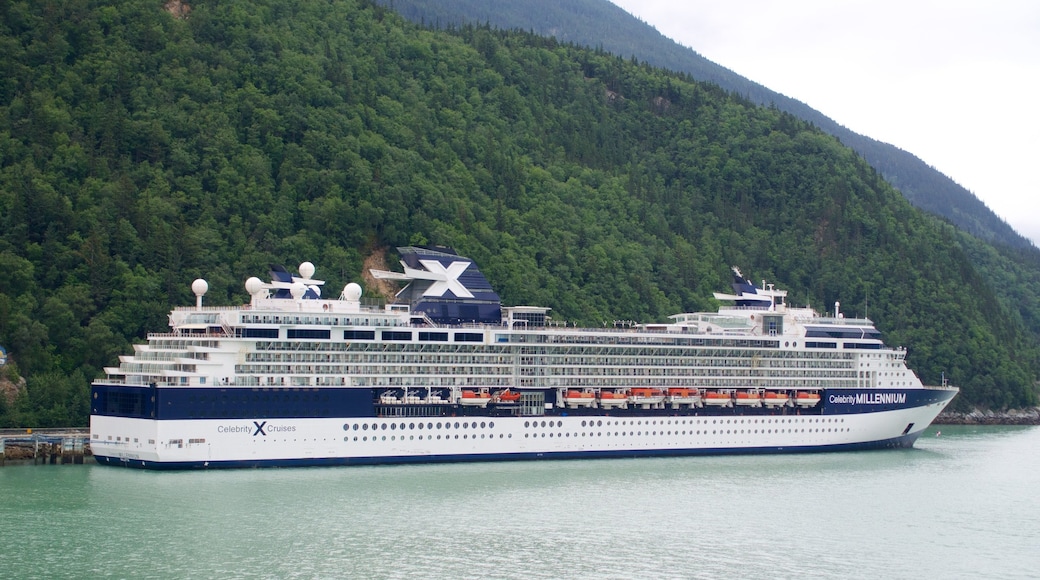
583	22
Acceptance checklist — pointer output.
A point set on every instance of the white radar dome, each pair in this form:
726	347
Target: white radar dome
200	287
307	270
352	291
316	289
254	285
298	290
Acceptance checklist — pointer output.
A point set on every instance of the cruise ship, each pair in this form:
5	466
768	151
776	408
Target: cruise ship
445	372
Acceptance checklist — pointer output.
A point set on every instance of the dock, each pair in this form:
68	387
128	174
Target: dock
67	446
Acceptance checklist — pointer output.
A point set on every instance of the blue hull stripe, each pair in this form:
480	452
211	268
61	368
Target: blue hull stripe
904	441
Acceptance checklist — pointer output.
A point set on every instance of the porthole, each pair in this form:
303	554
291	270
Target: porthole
346	427
384	427
365	426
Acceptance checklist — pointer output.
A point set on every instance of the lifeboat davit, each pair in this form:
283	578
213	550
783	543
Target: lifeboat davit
644	396
471	398
612	399
772	399
678	397
717	399
575	399
749	398
805	399
506	396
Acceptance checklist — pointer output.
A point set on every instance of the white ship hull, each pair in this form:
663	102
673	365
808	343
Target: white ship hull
292	442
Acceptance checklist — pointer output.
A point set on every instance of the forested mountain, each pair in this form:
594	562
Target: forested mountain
142	147
602	24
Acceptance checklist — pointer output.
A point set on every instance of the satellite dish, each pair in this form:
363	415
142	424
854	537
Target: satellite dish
352	292
254	286
200	287
307	270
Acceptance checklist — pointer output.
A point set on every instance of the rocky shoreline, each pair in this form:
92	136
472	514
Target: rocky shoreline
980	417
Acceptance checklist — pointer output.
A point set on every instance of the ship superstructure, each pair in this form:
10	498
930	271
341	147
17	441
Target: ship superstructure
445	373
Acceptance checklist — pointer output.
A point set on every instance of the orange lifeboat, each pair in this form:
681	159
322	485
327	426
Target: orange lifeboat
806	399
773	399
612	399
575	399
471	398
749	398
645	396
507	396
717	399
679	396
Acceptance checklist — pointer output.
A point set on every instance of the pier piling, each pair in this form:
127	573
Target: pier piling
44	446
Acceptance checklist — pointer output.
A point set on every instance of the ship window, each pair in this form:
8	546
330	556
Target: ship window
308	333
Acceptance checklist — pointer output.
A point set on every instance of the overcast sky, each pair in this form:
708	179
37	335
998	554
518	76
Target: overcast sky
955	82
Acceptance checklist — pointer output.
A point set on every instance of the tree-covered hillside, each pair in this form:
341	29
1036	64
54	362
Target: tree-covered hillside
141	148
602	24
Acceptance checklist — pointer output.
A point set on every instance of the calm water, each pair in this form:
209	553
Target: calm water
963	505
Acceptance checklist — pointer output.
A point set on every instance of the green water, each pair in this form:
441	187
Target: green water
963	505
